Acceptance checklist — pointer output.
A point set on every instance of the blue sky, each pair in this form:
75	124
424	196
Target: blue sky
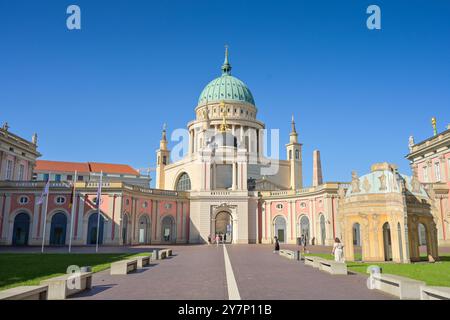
102	93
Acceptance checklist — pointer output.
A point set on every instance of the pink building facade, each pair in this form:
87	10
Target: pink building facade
430	162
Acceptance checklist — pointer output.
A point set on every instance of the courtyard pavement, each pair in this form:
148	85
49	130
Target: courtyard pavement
202	272
199	272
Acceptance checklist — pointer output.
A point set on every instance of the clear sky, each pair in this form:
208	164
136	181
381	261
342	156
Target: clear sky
103	92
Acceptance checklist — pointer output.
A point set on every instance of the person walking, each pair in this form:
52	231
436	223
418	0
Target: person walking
217	240
277	245
338	250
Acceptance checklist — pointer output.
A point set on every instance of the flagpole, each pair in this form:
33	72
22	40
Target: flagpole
45	214
72	213
99	196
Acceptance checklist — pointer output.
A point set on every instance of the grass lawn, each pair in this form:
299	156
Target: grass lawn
18	269
434	274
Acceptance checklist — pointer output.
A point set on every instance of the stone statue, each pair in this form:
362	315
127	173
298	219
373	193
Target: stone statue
411	143
355	182
383	186
5	126
34	139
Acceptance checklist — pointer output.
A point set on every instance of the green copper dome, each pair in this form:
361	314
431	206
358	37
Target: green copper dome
226	87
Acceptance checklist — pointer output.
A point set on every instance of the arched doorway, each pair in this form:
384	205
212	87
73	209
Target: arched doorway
92	229
58	229
224	226
323	232
168	229
304	227
144	229
356	232
125	229
280	228
387	242
21	229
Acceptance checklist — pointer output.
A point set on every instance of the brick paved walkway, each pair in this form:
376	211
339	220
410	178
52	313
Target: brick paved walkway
198	272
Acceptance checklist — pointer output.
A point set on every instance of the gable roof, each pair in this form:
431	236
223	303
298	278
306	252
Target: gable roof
84	167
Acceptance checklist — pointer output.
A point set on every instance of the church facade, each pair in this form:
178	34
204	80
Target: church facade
224	184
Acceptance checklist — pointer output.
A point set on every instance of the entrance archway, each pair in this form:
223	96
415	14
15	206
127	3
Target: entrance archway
125	229
224	226
357	249
168	229
58	229
387	242
144	229
92	229
304	228
21	229
323	231
280	228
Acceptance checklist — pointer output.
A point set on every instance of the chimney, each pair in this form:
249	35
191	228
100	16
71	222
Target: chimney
317	169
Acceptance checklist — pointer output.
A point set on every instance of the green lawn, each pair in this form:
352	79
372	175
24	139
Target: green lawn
18	269
434	274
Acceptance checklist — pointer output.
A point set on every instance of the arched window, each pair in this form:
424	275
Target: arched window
184	183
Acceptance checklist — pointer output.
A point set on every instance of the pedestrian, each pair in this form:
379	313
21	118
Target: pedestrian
217	239
338	250
225	237
209	239
277	245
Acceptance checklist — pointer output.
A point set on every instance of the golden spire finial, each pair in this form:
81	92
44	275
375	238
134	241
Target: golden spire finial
433	123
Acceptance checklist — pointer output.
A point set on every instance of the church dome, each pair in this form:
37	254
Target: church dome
226	88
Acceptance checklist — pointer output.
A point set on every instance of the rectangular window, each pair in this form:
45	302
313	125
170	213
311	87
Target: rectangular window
69	177
21	172
425	174
9	168
290	154
46	176
57	177
80	178
437	171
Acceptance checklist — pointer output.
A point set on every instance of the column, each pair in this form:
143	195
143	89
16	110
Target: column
234	184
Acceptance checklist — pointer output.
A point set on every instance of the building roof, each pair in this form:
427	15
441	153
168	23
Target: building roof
84	167
112	168
226	88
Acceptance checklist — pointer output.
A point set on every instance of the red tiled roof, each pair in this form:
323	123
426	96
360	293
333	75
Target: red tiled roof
83	167
112	168
61	166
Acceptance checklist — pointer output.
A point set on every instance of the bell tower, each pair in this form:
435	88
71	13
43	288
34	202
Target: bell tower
162	158
294	156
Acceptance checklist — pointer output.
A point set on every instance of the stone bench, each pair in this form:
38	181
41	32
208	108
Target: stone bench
402	287
333	267
143	261
169	252
313	261
289	254
25	293
434	293
162	254
59	288
123	266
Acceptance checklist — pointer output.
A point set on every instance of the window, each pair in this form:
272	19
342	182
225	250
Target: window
437	171
69	177
303	204
80	178
46	176
23	200
9	168
184	183
164	160
57	177
290	154
279	206
425	174
168	206
297	154
21	172
145	204
60	200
